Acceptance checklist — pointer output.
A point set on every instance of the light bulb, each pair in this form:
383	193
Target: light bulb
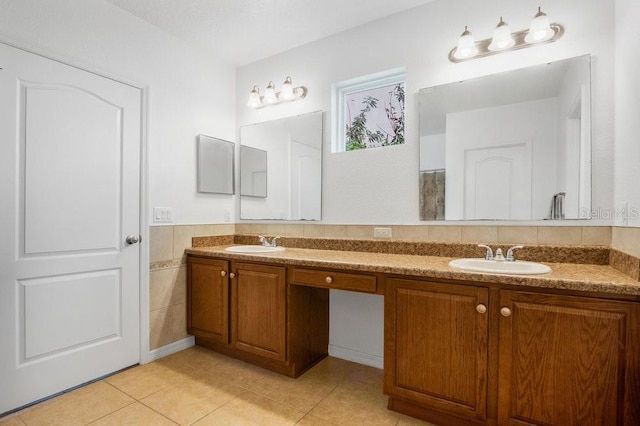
254	98
466	46
501	37
270	94
286	93
540	29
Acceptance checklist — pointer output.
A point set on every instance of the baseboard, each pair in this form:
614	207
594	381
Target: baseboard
355	356
171	348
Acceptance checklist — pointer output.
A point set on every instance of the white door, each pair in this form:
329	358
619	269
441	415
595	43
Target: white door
69	195
306	181
498	182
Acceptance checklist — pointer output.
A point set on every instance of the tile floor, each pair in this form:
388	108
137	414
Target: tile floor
200	387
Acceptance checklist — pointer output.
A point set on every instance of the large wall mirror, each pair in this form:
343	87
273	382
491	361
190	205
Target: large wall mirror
509	146
281	168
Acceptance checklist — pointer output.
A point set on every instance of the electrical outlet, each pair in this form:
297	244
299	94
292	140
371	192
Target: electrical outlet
381	232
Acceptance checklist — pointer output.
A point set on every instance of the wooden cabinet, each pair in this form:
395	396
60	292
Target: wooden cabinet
436	346
568	360
457	354
258	313
248	311
208	299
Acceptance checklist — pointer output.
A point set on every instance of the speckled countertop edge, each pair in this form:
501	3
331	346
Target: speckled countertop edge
564	276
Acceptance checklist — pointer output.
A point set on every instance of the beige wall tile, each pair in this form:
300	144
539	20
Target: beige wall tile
259	228
412	233
160	243
181	239
560	235
160	328
518	234
335	231
167	287
596	235
178	322
626	239
479	234
224	229
360	231
313	230
243	228
202	230
294	230
276	229
448	234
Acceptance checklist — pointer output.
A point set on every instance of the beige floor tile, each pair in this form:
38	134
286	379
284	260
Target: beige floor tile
310	420
11	421
196	396
252	409
410	421
135	415
356	403
144	380
78	407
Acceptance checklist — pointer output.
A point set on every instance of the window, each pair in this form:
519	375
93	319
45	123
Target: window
369	111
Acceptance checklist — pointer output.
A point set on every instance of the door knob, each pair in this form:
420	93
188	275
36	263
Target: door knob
132	239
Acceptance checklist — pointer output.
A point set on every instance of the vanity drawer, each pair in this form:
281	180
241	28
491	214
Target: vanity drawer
334	280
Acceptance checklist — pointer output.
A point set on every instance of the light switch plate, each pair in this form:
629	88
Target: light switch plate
162	215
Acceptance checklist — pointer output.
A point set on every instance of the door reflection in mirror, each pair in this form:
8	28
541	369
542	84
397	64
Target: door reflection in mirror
288	185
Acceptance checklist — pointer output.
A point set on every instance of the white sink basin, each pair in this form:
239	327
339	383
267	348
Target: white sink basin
253	249
518	267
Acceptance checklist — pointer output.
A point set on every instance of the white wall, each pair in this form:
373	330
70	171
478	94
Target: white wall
189	91
627	108
381	185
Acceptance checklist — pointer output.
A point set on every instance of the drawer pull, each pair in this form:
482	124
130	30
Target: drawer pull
232	275
223	273
505	312
328	280
481	308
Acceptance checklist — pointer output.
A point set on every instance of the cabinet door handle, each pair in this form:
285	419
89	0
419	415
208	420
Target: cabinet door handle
232	275
328	280
481	308
505	312
223	273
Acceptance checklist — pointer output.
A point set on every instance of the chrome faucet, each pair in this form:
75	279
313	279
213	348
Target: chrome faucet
266	243
499	256
489	255
510	257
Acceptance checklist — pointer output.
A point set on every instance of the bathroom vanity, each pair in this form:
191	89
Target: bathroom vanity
460	347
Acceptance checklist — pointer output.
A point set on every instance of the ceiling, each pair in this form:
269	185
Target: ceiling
244	31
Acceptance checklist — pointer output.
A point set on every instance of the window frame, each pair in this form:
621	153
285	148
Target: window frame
341	89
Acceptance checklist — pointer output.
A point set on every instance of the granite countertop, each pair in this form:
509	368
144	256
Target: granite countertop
564	276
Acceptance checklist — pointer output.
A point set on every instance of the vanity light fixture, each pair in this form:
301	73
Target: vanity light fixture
271	97
540	31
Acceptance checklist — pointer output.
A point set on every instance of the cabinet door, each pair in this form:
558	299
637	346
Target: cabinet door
208	299
258	299
436	345
565	360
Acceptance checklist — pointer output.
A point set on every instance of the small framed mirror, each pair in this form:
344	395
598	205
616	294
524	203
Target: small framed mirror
215	165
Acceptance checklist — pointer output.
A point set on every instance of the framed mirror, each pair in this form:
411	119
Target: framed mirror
281	168
215	165
510	146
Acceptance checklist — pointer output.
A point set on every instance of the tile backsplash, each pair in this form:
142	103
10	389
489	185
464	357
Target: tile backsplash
167	283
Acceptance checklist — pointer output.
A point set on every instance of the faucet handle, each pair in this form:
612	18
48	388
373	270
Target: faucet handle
263	240
510	257
489	255
274	242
